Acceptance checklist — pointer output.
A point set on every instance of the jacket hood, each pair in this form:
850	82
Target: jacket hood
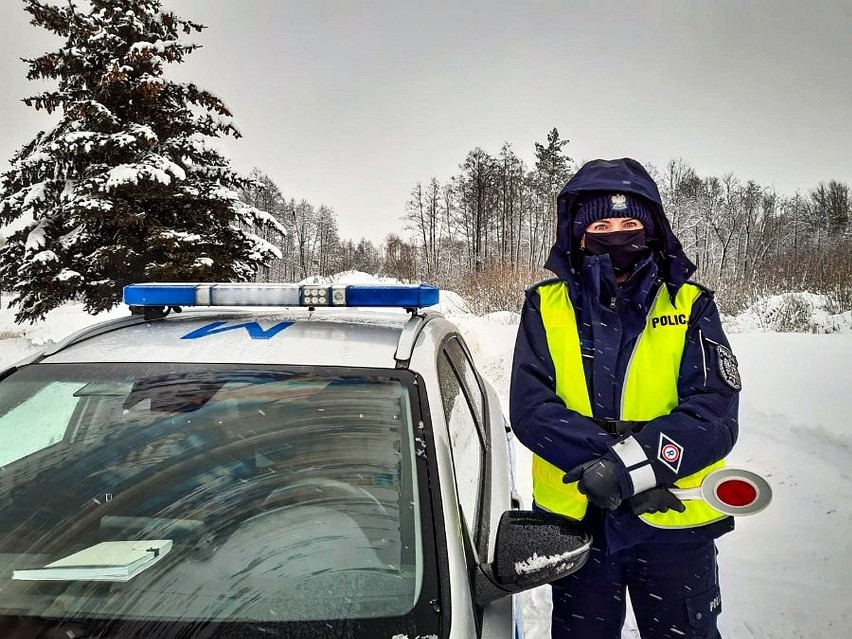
624	175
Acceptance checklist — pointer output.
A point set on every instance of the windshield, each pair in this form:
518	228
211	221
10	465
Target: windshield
231	494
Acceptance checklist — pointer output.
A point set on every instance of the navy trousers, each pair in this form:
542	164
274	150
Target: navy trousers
674	590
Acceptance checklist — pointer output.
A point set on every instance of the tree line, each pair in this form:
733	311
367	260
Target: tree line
750	240
495	214
487	231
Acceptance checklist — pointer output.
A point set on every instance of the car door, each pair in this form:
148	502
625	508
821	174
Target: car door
465	405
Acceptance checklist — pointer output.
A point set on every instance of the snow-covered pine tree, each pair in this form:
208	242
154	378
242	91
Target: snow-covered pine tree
126	187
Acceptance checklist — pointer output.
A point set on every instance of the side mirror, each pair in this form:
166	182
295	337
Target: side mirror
533	548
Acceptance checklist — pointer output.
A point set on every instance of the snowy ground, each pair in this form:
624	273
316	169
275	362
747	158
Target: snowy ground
784	572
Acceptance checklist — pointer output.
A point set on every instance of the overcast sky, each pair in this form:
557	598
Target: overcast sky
350	104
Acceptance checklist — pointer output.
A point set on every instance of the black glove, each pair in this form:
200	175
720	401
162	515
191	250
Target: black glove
655	500
599	481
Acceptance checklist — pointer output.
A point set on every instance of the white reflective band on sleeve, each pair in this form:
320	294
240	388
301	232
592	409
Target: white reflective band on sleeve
643	478
630	452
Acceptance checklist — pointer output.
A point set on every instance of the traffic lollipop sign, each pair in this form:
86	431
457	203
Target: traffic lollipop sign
732	491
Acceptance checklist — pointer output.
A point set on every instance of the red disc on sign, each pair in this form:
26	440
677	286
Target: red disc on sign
731	491
736	492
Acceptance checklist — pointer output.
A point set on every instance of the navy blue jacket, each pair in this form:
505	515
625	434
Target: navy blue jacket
610	319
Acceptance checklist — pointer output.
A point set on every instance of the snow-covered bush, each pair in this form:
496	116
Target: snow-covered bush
498	288
798	312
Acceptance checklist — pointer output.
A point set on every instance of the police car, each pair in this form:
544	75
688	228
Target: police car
274	461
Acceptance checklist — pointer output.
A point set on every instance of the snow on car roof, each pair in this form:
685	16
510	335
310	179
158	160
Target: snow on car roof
327	337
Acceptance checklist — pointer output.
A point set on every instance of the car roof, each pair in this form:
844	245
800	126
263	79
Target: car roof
287	336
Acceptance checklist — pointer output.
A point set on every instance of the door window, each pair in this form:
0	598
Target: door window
465	435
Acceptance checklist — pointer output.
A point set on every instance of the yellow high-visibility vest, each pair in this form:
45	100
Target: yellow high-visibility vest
649	391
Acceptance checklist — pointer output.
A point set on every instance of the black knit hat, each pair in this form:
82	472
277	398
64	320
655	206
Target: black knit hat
599	206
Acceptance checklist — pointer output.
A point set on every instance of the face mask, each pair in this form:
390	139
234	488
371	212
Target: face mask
625	248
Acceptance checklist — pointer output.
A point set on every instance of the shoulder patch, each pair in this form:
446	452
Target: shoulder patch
728	369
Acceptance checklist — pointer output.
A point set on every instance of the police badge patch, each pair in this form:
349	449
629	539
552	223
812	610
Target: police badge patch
618	202
728	370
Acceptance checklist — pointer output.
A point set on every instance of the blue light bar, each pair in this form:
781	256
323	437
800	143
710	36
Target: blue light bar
389	296
402	296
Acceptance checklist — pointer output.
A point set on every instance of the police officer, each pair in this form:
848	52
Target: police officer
623	386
